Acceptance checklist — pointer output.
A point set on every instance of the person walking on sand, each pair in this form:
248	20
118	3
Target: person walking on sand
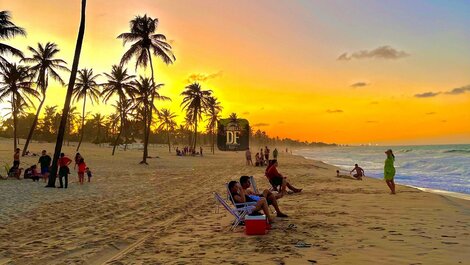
359	172
16	158
64	170
275	153
45	162
248	157
389	170
77	158
266	153
81	171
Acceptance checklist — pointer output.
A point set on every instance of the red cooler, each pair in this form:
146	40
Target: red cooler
255	225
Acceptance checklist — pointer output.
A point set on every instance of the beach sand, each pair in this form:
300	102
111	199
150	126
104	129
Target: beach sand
165	213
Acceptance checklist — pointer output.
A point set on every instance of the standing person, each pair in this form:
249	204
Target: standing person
16	158
275	153
81	171
45	162
88	173
248	157
389	170
266	153
77	158
64	170
359	172
200	150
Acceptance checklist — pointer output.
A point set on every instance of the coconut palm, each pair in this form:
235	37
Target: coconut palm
16	85
68	97
123	110
119	83
168	123
8	30
195	101
44	66
146	42
86	87
213	110
144	86
72	119
98	122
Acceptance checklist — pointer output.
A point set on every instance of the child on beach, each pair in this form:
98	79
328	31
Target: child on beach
81	170
389	170
88	173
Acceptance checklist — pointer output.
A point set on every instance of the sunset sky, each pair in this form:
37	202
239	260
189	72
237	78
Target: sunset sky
350	72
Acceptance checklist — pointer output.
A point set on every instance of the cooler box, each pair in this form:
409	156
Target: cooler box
255	225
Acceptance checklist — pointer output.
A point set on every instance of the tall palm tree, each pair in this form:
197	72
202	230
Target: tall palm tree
8	30
195	101
144	86
45	65
86	87
213	115
98	121
16	85
146	42
168	123
119	83
68	97
72	119
123	110
233	117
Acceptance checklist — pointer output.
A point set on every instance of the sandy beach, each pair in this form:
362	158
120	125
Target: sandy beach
165	213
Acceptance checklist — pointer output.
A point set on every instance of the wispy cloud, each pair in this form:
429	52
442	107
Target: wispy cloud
427	94
374	102
281	122
203	77
246	113
359	84
260	124
459	90
383	52
372	122
430	113
334	111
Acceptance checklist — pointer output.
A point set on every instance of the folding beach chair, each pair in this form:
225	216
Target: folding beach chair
253	185
238	213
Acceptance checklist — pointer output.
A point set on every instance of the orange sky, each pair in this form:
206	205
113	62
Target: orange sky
276	63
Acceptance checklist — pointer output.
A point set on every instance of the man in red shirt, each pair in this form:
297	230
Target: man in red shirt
64	171
276	179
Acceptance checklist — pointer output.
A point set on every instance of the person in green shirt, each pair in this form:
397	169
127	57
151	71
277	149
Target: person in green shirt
389	170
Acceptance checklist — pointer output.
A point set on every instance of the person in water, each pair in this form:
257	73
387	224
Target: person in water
359	172
389	170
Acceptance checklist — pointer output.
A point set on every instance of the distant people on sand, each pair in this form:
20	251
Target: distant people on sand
15	172
275	153
266	153
64	170
248	157
200	150
276	179
359	172
389	170
251	196
16	158
81	171
258	160
88	173
45	162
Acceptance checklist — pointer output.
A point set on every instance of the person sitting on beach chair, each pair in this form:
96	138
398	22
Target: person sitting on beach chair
270	197
276	179
239	196
359	172
15	172
35	175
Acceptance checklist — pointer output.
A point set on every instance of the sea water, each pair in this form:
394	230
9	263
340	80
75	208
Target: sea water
441	167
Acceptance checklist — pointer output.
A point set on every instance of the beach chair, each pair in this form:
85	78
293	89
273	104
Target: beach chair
238	213
253	185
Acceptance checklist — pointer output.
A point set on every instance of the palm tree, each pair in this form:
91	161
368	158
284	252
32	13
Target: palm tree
44	66
233	117
195	101
86	87
72	119
123	110
68	97
16	85
142	31
98	121
213	110
168	123
144	86
120	83
8	30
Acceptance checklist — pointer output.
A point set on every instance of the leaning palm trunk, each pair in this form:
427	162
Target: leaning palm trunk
33	127
83	124
119	134
68	99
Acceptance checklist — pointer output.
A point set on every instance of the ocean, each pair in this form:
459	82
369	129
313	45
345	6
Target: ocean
440	167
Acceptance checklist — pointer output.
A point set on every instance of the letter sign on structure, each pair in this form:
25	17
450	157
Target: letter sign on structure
233	134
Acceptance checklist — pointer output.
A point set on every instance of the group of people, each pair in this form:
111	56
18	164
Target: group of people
261	158
242	192
188	151
45	162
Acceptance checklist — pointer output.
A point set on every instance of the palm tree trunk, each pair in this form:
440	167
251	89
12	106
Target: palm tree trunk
120	131
83	124
213	140
151	101
169	145
15	121
68	98
145	155
195	134
33	126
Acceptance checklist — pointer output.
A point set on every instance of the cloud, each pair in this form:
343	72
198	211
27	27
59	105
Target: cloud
459	90
359	84
427	94
383	52
260	124
334	111
430	113
444	121
203	77
246	113
374	102
372	122
281	122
